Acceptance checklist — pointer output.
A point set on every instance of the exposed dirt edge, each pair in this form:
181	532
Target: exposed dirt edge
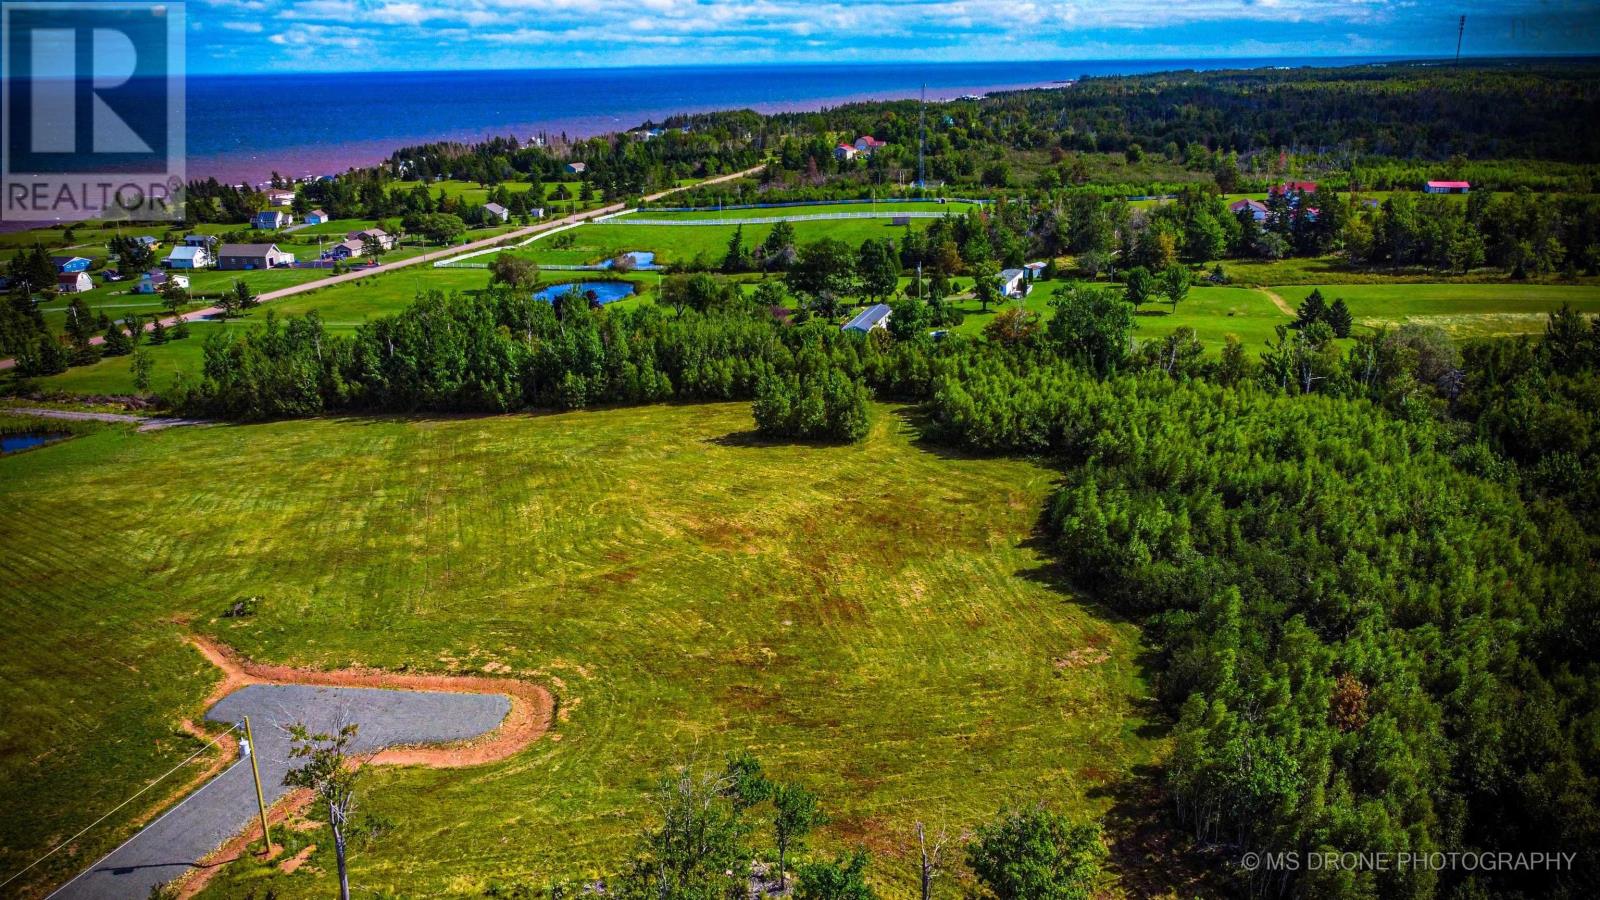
529	718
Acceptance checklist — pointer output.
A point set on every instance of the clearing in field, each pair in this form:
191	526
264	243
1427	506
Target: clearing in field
874	621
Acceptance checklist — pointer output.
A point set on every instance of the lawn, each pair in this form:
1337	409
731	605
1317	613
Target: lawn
1463	310
874	621
682	244
882	209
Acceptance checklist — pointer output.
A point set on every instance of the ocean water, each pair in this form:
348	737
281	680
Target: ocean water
244	127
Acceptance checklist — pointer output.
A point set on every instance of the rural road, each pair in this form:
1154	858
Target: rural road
145	423
174	843
431	255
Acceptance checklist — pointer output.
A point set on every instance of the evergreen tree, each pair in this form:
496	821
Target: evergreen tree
1338	318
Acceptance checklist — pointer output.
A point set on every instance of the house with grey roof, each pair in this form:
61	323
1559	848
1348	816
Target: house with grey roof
874	316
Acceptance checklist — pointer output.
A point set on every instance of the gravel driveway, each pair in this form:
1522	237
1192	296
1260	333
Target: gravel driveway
172	844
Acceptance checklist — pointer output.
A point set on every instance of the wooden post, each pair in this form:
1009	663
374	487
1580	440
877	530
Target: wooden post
261	800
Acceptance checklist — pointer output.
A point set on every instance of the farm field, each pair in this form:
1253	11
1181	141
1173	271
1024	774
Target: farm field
885	209
872	620
675	244
1462	310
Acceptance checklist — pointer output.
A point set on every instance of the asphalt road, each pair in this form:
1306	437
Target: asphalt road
172	844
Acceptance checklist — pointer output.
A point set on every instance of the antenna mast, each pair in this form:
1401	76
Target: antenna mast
1461	31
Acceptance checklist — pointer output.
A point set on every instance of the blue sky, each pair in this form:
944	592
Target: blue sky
325	35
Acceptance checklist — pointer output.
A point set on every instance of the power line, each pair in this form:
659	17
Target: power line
57	848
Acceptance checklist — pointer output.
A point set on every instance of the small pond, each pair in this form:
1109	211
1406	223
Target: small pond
27	440
644	260
604	291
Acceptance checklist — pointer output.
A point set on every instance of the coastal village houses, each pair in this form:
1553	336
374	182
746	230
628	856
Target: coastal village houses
1447	187
496	211
576	168
235	257
66	265
279	197
316	217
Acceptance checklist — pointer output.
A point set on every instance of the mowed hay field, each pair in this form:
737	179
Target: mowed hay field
873	621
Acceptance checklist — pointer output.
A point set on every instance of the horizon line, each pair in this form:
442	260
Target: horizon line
1478	57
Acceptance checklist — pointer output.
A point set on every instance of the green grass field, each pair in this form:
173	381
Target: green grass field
674	244
872	620
1463	310
883	209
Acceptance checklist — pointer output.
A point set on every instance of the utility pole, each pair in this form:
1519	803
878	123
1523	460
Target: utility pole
1461	31
261	800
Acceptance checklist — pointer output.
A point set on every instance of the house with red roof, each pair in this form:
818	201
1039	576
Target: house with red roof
1256	208
844	152
868	144
1447	187
1290	188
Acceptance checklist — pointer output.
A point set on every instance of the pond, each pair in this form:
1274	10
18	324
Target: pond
644	260
27	440
604	291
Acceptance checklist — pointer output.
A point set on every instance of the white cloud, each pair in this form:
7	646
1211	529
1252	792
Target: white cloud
400	33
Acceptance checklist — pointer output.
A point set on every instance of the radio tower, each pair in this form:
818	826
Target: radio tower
1461	31
922	139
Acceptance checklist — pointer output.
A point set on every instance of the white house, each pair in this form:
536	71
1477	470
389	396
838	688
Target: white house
279	197
188	258
577	168
74	282
1014	284
271	219
536	211
873	317
497	211
845	152
384	238
316	217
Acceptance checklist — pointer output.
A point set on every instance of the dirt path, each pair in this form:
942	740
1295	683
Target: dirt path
1278	301
431	720
428	257
145	423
